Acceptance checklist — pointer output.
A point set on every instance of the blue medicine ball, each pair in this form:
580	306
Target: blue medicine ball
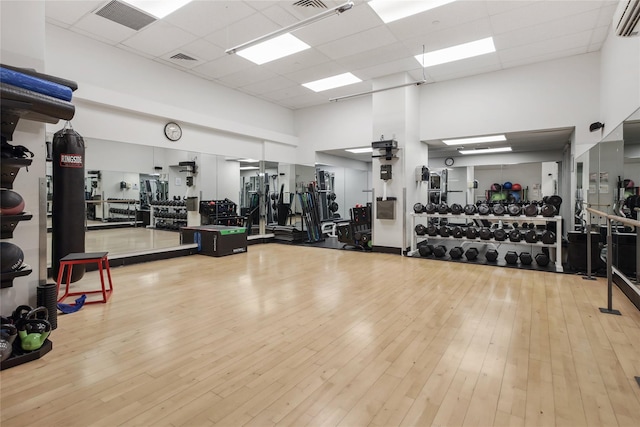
507	185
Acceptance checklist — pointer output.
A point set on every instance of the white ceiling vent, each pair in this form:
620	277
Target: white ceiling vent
183	57
310	3
126	15
628	23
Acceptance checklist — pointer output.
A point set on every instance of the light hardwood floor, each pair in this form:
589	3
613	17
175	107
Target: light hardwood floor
295	336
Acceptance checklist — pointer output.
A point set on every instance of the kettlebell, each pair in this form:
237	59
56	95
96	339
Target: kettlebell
33	341
8	334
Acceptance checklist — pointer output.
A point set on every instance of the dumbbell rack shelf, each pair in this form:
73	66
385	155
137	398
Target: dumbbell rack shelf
491	218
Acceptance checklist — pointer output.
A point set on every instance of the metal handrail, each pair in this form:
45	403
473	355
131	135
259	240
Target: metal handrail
610	218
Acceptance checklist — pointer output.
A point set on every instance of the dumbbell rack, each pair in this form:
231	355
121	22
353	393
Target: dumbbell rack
493	218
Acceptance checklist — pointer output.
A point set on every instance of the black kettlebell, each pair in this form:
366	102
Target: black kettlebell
483	209
485	233
418	208
548	237
445	231
456	209
515	235
471	233
531	210
420	230
499	234
531	236
432	230
443	208
514	210
548	210
430	208
498	209
470	209
457	232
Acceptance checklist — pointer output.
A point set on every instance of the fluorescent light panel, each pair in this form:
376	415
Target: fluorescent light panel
273	49
248	168
158	8
486	150
475	140
360	150
392	10
332	82
456	53
248	161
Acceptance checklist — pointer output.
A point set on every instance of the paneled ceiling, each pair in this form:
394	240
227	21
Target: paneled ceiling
194	39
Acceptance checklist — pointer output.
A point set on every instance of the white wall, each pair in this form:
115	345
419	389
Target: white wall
552	94
526	174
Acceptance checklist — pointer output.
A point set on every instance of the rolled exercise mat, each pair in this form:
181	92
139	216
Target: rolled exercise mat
47	296
30	71
25	81
68	207
39	103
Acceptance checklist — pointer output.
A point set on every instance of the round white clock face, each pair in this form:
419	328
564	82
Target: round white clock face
448	161
172	131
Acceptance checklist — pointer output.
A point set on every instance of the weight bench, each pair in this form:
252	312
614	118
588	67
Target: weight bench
99	258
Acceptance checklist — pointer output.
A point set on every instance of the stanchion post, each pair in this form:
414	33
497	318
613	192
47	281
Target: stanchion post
609	309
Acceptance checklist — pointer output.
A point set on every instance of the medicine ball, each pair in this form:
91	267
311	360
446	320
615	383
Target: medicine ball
496	187
531	210
548	210
514	210
484	209
498	209
628	183
549	237
514	197
456	209
11	203
516	187
498	197
418	208
515	235
430	208
470	209
507	185
531	236
471	233
485	233
443	208
11	257
499	234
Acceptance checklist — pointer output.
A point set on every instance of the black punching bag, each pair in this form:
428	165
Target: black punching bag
68	205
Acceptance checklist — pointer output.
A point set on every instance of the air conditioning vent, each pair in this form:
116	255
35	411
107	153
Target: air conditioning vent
310	3
123	14
628	23
183	57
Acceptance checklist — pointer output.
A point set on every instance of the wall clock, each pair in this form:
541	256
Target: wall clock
172	131
448	161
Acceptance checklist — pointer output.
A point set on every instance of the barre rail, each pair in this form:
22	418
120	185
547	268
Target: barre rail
610	219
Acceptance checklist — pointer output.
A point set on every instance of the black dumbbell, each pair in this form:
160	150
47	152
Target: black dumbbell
542	259
471	254
425	250
440	251
456	252
526	258
511	257
491	255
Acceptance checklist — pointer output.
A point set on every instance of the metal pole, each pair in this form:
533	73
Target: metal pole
588	249
609	309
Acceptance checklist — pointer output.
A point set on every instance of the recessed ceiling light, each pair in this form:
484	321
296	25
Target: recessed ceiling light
359	150
248	161
157	8
392	10
273	49
455	53
486	150
248	168
332	82
475	140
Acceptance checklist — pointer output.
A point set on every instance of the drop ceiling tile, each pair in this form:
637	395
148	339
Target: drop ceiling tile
320	71
204	17
135	51
465	66
221	67
544	47
288	92
495	7
548	30
599	35
387	68
104	29
203	49
269	85
246	77
281	14
247	29
452	36
372	58
336	27
548	56
69	12
261	4
303	101
450	15
159	38
539	12
606	13
370	39
298	61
